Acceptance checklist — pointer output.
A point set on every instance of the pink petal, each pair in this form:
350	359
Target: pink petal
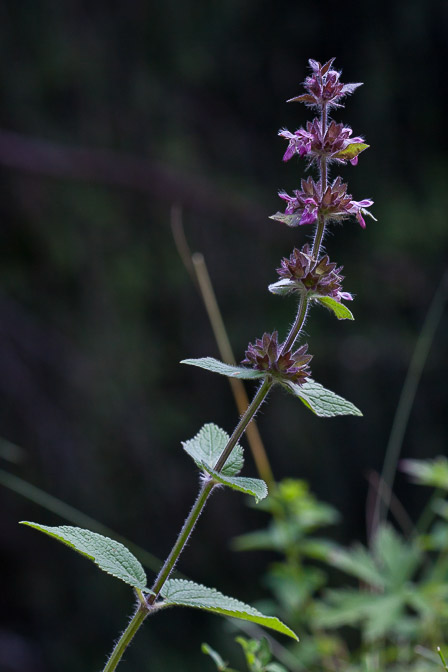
308	218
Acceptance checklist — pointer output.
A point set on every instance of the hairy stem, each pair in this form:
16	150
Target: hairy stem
323	170
298	324
182	539
205	491
127	636
323	158
318	237
245	419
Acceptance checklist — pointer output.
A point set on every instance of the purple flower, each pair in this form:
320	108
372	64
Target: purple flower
299	143
321	277
323	86
266	355
335	205
304	203
357	208
314	143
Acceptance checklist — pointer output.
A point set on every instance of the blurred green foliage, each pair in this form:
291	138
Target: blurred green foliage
398	607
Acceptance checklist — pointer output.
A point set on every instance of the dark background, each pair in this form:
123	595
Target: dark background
111	113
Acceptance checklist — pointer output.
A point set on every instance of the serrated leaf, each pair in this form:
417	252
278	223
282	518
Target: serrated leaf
283	287
250	486
398	559
341	607
351	151
359	563
339	309
206	447
379	614
214	365
108	554
289	220
322	402
178	592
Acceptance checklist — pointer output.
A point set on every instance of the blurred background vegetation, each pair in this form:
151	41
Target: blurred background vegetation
112	112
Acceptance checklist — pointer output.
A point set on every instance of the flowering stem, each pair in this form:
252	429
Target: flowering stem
323	158
298	323
318	237
206	488
245	419
320	230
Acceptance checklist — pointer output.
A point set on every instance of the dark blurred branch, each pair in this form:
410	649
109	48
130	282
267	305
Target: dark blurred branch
123	170
406	402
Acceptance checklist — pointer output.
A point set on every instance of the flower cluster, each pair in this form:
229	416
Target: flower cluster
266	355
334	204
323	142
320	277
331	143
323	86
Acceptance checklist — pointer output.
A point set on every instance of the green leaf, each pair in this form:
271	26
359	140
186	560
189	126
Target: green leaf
339	309
250	486
342	607
206	447
109	555
428	472
398	559
351	151
257	653
221	665
283	287
289	220
359	563
379	615
178	592
214	365
322	402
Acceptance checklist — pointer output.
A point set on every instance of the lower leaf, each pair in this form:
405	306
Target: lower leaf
178	592
108	554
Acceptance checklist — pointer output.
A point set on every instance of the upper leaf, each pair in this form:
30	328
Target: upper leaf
250	486
339	309
289	220
212	364
283	287
188	594
351	151
321	401
206	447
109	555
